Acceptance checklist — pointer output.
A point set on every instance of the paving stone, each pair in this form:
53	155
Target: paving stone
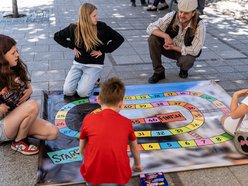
231	54
131	59
60	64
213	177
240	173
224	69
227	85
41	65
241	68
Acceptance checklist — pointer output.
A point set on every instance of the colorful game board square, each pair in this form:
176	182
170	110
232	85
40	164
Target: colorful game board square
170	145
68	132
61	115
142	133
202	142
187	143
143	97
156	95
161	133
151	146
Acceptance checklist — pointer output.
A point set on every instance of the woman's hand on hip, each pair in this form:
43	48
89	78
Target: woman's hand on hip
96	53
76	52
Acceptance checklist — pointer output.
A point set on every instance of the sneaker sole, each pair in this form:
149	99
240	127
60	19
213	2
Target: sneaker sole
22	152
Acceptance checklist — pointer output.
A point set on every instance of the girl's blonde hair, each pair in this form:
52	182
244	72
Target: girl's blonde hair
86	32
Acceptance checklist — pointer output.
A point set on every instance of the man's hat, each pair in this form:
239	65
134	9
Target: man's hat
187	5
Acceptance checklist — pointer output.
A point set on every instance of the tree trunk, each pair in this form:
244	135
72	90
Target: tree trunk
15	9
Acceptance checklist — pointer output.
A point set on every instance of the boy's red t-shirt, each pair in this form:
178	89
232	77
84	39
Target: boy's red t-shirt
106	159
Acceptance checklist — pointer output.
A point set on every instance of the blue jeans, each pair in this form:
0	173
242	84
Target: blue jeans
81	79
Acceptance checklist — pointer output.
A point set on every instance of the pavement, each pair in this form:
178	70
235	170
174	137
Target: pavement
224	58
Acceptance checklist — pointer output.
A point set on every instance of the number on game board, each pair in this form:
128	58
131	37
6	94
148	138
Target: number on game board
169	144
143	97
157	95
187	143
141	133
129	97
60	116
194	124
135	121
160	133
129	106
179	130
218	139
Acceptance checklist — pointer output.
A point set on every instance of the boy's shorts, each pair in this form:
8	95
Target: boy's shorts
230	125
3	136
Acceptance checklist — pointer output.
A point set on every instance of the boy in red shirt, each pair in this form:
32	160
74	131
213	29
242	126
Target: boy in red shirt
104	138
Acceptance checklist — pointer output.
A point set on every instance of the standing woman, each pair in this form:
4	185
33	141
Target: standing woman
19	116
90	39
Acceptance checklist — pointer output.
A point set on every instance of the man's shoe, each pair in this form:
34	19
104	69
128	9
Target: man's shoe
152	8
156	77
183	74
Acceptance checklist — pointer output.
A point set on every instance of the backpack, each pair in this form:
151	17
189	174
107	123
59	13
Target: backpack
240	139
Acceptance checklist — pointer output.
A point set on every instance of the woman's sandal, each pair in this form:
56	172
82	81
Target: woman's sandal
152	8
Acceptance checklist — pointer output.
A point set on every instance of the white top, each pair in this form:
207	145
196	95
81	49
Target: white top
244	125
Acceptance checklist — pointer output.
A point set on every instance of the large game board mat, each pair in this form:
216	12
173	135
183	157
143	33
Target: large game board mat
177	127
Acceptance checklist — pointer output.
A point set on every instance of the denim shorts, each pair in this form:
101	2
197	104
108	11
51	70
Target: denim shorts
3	136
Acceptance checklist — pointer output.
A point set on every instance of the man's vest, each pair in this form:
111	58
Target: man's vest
174	32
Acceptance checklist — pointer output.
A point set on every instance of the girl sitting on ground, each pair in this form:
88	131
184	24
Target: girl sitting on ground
19	115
